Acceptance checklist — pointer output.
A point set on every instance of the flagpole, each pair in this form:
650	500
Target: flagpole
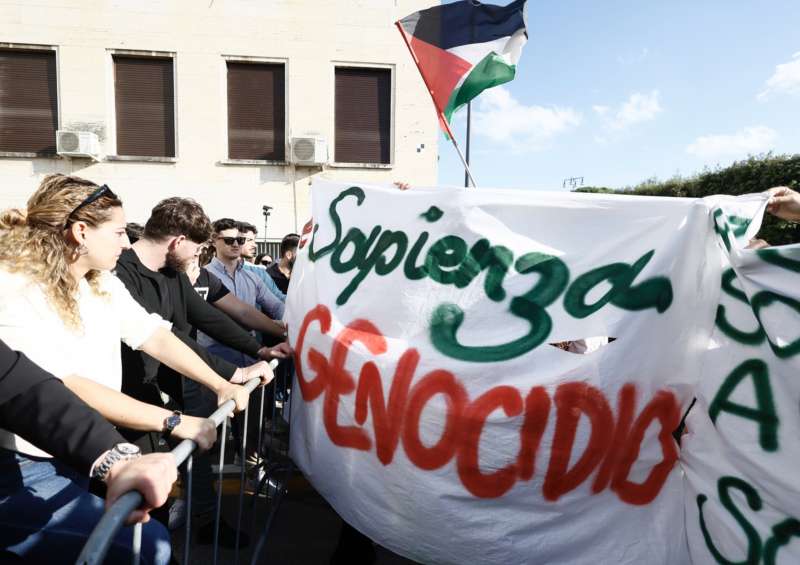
446	125
469	103
468	173
469	123
442	119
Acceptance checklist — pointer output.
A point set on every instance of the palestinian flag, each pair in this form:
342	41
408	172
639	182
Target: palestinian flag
463	48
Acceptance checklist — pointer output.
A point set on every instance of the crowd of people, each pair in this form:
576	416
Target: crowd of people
117	341
110	354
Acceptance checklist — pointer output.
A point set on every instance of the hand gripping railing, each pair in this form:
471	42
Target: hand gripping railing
100	540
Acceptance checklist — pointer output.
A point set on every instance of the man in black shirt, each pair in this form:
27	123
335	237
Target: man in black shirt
208	286
281	270
153	271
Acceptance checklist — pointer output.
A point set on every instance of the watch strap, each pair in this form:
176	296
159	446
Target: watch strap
120	452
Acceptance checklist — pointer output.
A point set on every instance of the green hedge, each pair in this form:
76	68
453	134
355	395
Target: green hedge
755	174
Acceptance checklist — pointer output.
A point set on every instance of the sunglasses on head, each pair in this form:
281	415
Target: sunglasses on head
232	240
101	191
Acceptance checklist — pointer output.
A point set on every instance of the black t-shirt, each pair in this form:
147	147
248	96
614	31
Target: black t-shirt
281	281
209	286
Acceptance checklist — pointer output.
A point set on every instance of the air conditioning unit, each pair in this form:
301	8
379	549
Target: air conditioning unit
309	151
77	144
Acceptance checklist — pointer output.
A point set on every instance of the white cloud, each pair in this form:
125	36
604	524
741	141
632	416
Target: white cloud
785	79
640	107
756	139
600	110
504	120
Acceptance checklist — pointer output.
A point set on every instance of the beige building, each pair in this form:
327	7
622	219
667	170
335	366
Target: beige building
236	103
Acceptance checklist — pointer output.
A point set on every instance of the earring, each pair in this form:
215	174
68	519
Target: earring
82	249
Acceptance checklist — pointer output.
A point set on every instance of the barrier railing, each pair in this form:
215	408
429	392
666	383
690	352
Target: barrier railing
272	483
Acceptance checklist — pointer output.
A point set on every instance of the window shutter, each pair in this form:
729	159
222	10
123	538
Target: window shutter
256	117
28	102
362	115
145	106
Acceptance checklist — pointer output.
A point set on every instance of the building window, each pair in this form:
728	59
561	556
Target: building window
256	111
363	115
28	101
145	106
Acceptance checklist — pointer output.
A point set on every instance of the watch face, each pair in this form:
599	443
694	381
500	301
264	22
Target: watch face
173	421
127	448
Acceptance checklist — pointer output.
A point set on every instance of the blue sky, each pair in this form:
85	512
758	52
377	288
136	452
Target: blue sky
621	91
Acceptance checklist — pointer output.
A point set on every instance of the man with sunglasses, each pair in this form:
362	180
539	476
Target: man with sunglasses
246	286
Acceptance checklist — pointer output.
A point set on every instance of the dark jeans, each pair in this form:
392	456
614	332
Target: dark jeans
46	515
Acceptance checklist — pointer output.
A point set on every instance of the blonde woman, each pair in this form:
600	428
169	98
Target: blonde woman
67	312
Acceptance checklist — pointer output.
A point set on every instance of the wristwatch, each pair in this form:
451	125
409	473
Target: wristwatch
170	423
120	452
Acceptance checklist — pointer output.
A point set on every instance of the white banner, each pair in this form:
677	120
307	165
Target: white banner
436	408
741	453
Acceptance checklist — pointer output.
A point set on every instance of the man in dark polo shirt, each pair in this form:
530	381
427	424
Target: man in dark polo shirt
281	270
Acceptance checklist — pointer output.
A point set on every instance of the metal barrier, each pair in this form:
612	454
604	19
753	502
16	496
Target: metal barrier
273	483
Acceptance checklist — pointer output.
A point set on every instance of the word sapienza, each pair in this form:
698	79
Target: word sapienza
451	261
612	449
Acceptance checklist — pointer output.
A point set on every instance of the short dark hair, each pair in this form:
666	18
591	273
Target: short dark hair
134	231
245	227
225	224
178	216
289	243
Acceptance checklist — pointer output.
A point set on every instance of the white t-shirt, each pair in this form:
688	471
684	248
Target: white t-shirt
29	324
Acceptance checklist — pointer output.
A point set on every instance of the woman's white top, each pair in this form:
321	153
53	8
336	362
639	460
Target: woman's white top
31	325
